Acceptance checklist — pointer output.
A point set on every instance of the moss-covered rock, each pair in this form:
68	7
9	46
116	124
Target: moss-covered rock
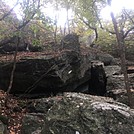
75	113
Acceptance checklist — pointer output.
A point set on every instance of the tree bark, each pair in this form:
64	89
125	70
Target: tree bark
68	20
121	45
14	66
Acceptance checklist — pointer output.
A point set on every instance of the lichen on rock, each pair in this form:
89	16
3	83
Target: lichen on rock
73	113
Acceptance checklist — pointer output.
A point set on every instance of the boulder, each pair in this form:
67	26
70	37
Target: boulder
42	73
51	74
115	80
10	48
71	42
112	70
76	113
115	84
107	59
96	54
116	87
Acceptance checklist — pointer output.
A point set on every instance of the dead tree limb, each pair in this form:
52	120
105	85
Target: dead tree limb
14	66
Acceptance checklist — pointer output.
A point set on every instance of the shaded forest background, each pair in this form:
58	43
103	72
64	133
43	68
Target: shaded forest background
37	29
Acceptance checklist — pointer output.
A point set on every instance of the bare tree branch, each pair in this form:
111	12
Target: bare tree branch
11	39
31	17
127	32
9	12
128	16
91	27
106	29
101	26
26	22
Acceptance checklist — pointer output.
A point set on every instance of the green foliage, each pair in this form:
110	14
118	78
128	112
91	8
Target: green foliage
36	31
36	42
41	27
106	41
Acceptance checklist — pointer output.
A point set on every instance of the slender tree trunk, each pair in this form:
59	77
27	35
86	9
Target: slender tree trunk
61	32
121	45
68	21
64	29
14	66
55	29
55	34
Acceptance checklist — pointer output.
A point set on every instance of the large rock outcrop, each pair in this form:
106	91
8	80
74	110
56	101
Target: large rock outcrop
75	113
42	73
73	69
68	71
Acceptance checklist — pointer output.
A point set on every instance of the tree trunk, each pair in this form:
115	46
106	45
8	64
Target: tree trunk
14	66
55	33
68	21
121	45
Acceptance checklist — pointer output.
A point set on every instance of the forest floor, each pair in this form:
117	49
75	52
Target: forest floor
12	110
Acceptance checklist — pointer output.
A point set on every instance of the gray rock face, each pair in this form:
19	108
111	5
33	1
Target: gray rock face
75	113
114	77
44	73
115	84
67	72
112	70
107	59
96	54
